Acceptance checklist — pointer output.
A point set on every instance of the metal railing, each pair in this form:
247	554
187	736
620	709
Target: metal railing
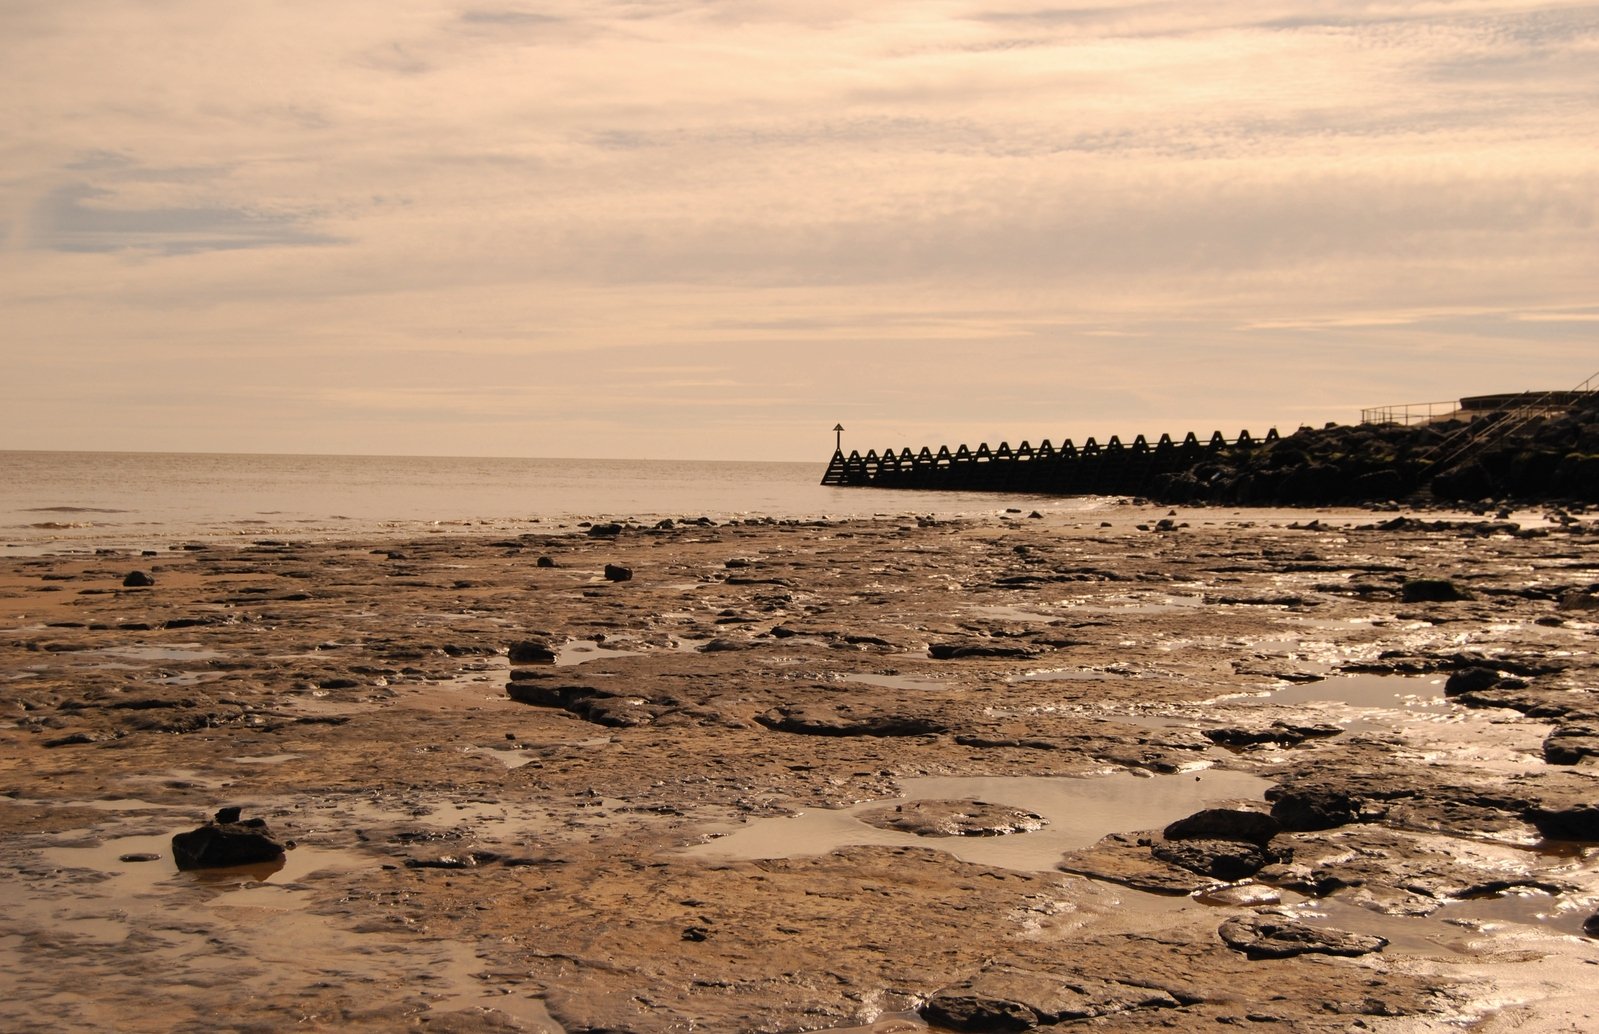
1407	413
1460	445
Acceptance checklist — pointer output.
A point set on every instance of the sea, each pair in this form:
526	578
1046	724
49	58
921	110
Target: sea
67	501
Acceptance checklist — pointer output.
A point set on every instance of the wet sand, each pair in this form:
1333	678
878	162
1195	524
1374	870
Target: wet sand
719	806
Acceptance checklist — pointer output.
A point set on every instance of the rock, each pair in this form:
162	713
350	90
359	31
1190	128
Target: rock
1432	590
720	645
618	573
545	561
1273	937
956	651
531	651
844	720
468	860
71	739
1225	824
600	706
604	531
1573	822
1244	895
137	580
1579	600
1002	998
1570	744
1284	734
1226	860
1305	808
953	819
226	841
1470	680
1590	926
1125	859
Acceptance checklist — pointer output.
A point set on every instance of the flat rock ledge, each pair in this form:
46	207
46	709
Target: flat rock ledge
1126	859
1005	999
1214	845
1273	937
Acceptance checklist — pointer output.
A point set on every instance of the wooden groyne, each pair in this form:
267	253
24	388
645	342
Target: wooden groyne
1112	468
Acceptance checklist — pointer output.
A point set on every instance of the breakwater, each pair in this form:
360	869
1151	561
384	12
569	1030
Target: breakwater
1092	468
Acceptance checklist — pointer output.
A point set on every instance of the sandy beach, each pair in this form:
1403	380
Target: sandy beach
812	775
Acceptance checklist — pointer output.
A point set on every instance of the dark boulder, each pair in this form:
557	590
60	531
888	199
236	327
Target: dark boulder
137	580
1573	822
532	651
1470	680
1380	484
618	573
1306	808
1283	734
722	645
1577	599
226	841
1432	590
1225	824
958	651
1570	744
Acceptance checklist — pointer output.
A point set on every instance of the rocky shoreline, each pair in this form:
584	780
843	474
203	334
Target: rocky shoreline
1303	771
1550	460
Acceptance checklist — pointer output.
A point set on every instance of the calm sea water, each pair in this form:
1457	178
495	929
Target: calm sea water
55	500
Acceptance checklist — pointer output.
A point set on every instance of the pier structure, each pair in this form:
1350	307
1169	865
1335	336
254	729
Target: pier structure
1112	468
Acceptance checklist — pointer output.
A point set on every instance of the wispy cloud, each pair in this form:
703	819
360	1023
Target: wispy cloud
72	219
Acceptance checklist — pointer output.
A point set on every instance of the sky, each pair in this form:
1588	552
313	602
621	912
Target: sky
713	229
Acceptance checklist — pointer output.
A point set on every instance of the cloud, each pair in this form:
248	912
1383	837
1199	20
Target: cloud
504	16
72	219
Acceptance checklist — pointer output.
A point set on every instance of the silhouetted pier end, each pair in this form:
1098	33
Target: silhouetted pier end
1112	468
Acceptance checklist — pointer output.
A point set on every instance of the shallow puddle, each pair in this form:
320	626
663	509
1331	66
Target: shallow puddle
1001	612
1159	604
1423	693
582	651
1151	721
1079	811
1065	675
174	652
896	682
1361	703
511	757
104	916
144	875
